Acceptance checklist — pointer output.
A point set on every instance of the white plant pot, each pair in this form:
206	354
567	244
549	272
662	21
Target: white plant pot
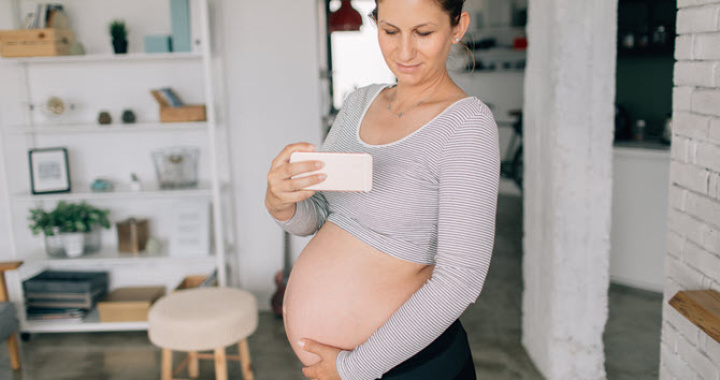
74	243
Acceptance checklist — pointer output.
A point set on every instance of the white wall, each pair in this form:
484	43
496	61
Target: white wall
272	79
693	241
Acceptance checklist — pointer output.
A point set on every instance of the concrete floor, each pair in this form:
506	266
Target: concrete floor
493	324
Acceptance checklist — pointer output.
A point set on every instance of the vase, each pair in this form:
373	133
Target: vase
74	243
54	246
120	46
93	240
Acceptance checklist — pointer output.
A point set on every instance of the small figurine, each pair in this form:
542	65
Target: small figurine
128	117
135	184
104	118
101	185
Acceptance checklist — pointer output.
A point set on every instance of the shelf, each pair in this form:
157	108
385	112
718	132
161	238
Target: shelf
90	323
702	308
654	52
647	144
111	128
137	57
109	255
203	191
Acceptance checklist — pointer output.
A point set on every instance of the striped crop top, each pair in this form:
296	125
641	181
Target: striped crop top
433	202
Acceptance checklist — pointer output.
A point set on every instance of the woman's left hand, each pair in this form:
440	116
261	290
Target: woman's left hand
325	369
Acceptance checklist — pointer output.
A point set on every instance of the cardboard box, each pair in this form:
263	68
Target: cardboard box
129	304
35	42
182	114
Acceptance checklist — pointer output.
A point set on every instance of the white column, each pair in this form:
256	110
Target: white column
569	94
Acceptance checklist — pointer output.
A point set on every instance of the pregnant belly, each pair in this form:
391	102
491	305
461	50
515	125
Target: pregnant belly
341	290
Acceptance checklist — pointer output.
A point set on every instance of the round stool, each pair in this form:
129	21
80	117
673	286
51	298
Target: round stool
203	319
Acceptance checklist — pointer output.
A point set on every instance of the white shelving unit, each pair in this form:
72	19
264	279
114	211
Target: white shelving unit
131	270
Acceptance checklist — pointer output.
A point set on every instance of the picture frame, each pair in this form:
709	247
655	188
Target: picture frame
49	171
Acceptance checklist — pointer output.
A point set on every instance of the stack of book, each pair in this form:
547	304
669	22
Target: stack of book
63	295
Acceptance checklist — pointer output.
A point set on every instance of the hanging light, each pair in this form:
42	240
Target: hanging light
345	19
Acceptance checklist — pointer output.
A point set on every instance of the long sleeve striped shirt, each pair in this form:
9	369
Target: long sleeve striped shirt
433	201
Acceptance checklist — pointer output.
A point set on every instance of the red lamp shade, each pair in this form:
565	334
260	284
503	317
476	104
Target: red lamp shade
345	19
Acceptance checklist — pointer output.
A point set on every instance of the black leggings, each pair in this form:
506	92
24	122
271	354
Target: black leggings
446	358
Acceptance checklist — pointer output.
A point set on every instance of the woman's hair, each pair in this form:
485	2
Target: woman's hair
452	7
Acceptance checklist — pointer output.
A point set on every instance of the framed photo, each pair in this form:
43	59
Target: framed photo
49	171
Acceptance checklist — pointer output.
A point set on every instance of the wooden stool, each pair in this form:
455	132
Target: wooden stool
203	319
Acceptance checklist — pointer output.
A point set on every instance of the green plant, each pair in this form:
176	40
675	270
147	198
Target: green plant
68	218
41	221
118	30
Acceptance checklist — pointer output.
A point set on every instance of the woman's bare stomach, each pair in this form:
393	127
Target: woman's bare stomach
341	290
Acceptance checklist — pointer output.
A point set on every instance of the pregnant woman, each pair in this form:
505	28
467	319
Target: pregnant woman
377	292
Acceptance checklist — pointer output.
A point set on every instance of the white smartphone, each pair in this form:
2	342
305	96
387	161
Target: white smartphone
345	171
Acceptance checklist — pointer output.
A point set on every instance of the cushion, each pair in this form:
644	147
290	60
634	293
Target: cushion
8	320
202	319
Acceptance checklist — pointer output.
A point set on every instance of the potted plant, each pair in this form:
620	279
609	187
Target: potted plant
77	225
119	36
42	221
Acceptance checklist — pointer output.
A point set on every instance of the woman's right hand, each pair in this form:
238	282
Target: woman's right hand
283	192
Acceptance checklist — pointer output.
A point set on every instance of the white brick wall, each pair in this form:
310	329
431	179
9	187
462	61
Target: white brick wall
693	257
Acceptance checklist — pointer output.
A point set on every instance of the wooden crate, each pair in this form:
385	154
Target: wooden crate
182	114
129	304
35	42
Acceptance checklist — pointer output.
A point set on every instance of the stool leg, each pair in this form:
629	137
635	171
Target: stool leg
193	367
220	364
14	352
166	370
245	360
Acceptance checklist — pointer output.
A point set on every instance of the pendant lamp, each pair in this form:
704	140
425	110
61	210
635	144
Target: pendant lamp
345	19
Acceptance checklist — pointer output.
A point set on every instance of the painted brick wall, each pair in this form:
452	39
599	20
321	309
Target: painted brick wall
693	259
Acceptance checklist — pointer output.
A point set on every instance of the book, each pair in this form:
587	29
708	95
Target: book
36	20
160	98
54	314
42	15
180	25
209	280
57	18
172	97
29	20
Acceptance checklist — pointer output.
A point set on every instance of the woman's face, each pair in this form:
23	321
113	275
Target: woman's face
415	38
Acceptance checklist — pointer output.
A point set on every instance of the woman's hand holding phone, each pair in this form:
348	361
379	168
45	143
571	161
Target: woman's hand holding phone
283	191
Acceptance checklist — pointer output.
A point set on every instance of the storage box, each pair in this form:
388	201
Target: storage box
158	44
129	304
182	114
35	42
65	289
133	235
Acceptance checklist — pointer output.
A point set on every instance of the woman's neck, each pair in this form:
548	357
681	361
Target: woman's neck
407	95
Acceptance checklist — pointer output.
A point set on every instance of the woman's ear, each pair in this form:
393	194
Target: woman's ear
462	26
